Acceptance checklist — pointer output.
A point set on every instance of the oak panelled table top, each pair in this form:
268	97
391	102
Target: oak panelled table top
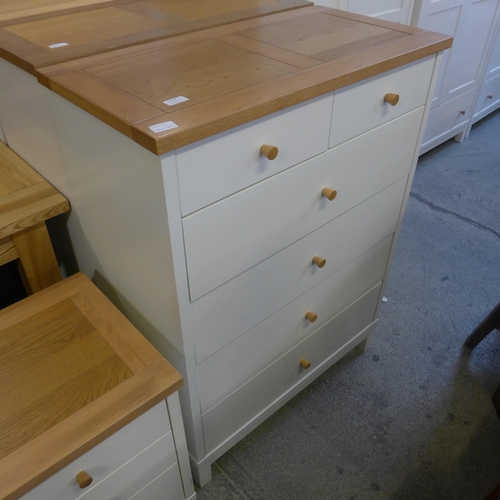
170	93
73	372
81	28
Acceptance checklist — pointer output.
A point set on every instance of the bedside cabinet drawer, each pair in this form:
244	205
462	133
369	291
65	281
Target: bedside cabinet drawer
324	346
229	237
167	486
219	166
361	107
107	457
228	369
136	474
259	292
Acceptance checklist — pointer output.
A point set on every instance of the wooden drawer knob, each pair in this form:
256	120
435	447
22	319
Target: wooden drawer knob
462	112
392	99
270	152
84	479
490	96
328	193
305	364
312	317
319	261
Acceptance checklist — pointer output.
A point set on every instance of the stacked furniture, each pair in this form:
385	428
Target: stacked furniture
238	192
83	403
26	201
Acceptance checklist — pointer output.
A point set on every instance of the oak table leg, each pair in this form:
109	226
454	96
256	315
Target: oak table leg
39	268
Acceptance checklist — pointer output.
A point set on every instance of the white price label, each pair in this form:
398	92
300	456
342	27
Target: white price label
161	127
57	45
176	100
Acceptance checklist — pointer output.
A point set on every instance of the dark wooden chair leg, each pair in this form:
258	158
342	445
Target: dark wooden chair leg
488	324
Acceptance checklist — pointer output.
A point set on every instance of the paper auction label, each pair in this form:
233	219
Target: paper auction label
161	127
176	100
57	45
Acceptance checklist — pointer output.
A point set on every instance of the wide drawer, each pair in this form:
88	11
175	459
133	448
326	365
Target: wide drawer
341	334
107	456
229	237
219	166
230	310
361	107
232	366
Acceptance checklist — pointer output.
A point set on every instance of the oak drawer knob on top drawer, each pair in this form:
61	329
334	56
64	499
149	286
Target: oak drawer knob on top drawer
319	261
305	364
329	193
312	317
391	99
270	152
490	96
84	479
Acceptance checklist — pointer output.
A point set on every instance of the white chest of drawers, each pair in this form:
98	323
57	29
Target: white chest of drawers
229	279
252	276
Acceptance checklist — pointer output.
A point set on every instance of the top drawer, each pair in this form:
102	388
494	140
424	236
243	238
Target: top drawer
361	107
219	166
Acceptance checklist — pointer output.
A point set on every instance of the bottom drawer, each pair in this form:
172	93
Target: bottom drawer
106	457
488	99
167	486
447	118
273	383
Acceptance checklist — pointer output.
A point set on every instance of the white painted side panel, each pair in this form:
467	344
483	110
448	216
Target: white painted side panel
237	233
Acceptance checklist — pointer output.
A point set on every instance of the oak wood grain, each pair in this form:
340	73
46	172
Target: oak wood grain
293	56
33	42
70	379
8	251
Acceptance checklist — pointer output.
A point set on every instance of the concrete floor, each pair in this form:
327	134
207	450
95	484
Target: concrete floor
412	417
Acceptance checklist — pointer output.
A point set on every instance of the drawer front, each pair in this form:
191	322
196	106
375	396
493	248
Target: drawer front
488	98
231	236
217	167
242	406
107	456
448	116
230	310
229	368
361	107
167	486
137	473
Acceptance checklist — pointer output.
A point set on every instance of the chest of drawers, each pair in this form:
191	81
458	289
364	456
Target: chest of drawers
251	274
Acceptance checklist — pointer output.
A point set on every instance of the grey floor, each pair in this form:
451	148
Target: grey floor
412	417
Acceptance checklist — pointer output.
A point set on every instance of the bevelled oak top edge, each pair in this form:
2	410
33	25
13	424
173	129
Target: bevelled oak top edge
288	65
93	339
94	28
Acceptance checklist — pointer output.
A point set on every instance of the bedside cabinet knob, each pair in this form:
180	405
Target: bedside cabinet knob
305	364
462	112
392	99
329	194
84	479
490	96
270	152
319	261
312	317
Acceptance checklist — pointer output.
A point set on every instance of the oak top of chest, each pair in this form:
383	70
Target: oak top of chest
46	32
170	93
74	371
